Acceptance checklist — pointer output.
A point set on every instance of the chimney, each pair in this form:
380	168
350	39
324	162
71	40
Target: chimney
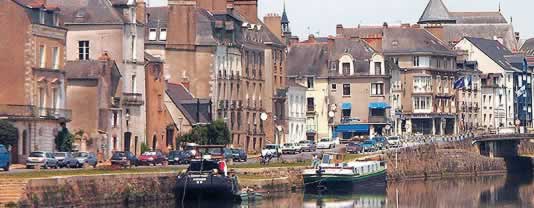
104	57
140	11
186	83
182	28
339	30
274	23
416	26
311	38
405	25
436	30
212	5
385	25
331	42
293	40
247	8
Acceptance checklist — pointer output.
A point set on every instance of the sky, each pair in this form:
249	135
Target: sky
322	16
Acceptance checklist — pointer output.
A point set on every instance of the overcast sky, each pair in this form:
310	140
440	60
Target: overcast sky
321	16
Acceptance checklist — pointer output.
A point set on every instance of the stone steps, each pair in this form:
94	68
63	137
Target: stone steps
11	190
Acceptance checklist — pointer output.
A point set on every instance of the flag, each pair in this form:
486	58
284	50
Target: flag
469	81
459	84
521	91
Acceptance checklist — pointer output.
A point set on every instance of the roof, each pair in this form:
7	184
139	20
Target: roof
453	33
151	58
189	106
528	47
157	16
478	17
494	50
37	4
308	60
88	12
204	34
435	12
284	20
412	40
93	70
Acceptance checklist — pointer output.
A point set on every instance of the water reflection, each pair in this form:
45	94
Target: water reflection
487	191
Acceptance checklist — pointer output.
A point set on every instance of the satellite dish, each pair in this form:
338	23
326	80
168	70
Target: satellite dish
331	114
263	116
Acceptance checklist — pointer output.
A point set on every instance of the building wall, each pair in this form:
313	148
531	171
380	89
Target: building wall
14	17
195	67
101	39
296	97
82	97
318	120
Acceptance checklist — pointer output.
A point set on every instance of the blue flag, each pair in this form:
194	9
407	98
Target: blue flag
460	83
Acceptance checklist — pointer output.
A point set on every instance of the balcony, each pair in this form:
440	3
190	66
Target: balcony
30	111
133	99
348	120
310	109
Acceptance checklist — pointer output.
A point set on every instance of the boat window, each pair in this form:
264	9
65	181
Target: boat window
203	166
326	159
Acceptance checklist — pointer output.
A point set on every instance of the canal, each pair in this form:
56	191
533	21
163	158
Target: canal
514	190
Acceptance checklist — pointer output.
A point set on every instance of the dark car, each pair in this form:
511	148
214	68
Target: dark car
65	160
124	159
354	147
239	155
179	157
4	158
85	159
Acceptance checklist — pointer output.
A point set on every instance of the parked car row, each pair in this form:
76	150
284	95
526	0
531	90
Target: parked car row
374	144
45	160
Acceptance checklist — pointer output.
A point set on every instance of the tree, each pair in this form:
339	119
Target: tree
64	139
8	133
214	133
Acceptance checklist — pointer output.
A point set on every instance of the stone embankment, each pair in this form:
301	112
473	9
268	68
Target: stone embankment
124	189
447	160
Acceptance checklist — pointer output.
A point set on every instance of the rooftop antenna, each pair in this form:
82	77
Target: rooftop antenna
499	6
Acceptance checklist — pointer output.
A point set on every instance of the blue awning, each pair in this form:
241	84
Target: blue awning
346	106
353	128
378	105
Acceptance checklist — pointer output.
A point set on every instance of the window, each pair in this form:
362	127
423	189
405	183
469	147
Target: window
42	56
310	82
55	98
115	119
422	84
421	61
152	34
42	17
134	84
55	58
311	104
422	103
42	97
83	50
346	89
333	87
378	68
377	88
346	68
134	48
163	34
416	61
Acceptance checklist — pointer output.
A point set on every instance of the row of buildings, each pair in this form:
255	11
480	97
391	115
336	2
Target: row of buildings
451	73
120	74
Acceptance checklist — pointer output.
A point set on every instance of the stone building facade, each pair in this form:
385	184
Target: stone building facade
117	29
34	97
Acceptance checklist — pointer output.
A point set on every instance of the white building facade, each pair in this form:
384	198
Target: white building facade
296	95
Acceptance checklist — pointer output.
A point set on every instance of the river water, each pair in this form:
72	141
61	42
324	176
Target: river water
487	191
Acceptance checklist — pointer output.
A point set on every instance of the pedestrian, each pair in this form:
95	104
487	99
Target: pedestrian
315	161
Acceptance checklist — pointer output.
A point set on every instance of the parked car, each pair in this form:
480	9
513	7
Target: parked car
124	159
65	160
369	145
354	147
326	143
152	158
228	154
272	149
394	142
85	158
179	157
307	146
41	159
290	148
381	142
239	155
4	158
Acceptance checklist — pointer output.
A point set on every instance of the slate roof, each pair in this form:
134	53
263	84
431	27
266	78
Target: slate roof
151	58
412	40
308	60
435	12
528	47
93	70
478	17
37	4
88	12
184	101
494	50
454	33
158	17
284	20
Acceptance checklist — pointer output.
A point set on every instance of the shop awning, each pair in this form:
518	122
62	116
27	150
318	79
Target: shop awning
379	105
346	106
353	128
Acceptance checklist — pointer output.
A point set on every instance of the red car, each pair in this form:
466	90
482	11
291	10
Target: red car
152	158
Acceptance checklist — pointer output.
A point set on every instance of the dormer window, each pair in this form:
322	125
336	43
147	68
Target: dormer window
378	68
42	16
346	68
152	34
346	65
163	34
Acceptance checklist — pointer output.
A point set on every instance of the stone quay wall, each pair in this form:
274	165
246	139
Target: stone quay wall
446	160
